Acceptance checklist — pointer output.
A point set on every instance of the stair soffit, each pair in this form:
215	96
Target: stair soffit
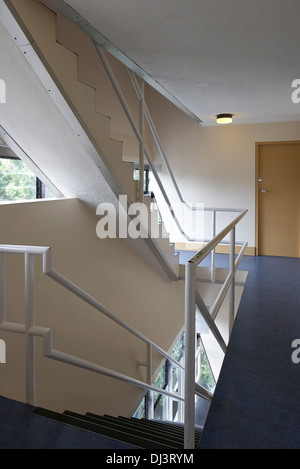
67	137
98	38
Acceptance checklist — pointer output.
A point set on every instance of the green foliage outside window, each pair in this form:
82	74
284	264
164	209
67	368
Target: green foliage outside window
17	181
206	378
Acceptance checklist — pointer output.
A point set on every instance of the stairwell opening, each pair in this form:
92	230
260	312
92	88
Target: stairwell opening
170	378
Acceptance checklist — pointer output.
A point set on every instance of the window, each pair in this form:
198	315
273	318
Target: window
18	182
164	409
136	177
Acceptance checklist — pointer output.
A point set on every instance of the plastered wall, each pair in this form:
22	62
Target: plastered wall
215	165
110	271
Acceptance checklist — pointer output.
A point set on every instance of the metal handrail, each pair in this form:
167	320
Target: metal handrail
193	299
143	150
154	132
152	127
203	253
31	330
137	132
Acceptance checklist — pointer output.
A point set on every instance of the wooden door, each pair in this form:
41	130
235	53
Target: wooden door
278	199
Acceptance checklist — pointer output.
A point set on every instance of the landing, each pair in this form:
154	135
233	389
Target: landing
256	402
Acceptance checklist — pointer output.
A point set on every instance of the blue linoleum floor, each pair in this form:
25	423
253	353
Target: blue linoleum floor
257	399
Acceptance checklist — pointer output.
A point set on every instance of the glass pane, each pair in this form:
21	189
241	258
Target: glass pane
160	407
206	378
18	182
140	412
136	177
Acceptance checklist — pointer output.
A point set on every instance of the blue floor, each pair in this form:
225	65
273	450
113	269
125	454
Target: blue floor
257	399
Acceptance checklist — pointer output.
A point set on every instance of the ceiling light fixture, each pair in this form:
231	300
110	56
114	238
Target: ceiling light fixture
224	118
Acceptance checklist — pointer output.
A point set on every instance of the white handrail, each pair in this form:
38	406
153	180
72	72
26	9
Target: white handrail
140	138
139	133
193	298
136	131
152	127
31	330
200	255
154	131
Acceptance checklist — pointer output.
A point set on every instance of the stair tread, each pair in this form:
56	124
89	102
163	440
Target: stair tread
114	422
102	429
159	427
180	429
135	424
169	427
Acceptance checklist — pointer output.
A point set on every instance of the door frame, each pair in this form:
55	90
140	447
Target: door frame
257	146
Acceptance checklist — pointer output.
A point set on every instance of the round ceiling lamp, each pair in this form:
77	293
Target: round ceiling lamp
224	118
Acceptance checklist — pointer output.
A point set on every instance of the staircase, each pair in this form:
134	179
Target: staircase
23	426
146	434
66	61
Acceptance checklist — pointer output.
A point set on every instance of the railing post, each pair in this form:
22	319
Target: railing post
150	403
213	252
29	322
232	286
180	392
189	383
141	144
170	388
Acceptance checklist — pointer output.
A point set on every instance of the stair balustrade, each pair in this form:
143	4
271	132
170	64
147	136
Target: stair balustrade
192	299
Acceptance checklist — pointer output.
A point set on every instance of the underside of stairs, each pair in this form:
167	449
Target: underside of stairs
66	62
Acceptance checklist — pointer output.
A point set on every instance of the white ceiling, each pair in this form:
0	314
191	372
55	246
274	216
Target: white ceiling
214	56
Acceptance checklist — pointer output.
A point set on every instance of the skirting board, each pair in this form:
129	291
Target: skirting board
220	249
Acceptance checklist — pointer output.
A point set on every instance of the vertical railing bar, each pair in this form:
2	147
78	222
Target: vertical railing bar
180	390
141	145
136	131
150	403
170	389
189	385
29	322
232	285
2	288
155	135
213	252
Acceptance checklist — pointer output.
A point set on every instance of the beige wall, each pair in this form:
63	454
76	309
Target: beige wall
212	165
215	165
108	270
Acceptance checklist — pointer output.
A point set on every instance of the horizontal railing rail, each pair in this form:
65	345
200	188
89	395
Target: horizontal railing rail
31	330
143	151
138	135
193	299
144	108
